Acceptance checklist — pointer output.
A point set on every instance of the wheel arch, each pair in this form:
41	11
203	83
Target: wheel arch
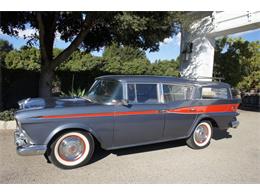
69	127
211	120
203	118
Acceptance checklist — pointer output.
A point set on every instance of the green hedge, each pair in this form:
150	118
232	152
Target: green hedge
7	115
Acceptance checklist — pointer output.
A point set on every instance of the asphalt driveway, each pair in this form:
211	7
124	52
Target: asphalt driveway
232	157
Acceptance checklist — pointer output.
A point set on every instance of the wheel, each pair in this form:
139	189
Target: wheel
71	149
201	136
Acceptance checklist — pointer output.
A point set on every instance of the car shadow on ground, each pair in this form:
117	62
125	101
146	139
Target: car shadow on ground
220	134
101	153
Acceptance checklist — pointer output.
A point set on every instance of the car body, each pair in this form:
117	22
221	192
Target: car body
126	111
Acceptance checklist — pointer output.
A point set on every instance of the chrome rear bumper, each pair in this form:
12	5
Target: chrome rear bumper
24	146
234	124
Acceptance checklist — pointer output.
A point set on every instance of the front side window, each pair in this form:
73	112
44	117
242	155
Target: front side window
105	91
174	93
214	93
142	93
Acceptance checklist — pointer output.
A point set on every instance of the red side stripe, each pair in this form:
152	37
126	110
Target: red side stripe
137	112
183	110
79	115
144	112
205	109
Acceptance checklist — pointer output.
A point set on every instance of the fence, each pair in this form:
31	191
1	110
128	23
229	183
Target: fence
20	84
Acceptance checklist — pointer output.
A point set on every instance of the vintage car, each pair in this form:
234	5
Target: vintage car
123	111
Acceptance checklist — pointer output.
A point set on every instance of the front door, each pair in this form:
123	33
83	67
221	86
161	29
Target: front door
142	120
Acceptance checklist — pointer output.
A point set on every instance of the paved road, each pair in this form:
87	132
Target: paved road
232	157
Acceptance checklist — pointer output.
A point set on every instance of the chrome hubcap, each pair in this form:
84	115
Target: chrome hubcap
201	134
71	148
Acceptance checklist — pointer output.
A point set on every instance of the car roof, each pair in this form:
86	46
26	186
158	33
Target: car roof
159	79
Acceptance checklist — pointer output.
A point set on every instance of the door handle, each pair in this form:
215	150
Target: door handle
193	109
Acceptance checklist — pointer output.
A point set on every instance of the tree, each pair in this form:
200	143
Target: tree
238	62
125	60
88	30
166	68
124	53
251	79
27	58
81	61
5	47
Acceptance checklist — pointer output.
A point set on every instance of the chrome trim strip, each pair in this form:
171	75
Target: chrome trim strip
125	92
158	92
161	93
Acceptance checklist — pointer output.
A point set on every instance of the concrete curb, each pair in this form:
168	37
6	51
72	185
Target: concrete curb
7	125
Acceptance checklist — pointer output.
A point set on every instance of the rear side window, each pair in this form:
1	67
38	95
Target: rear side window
174	93
214	93
142	93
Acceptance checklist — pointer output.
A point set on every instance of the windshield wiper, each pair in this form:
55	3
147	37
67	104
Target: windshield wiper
90	100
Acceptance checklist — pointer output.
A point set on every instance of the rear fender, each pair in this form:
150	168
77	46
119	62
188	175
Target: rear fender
196	122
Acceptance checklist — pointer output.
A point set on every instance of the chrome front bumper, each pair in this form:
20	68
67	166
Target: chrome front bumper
24	147
29	150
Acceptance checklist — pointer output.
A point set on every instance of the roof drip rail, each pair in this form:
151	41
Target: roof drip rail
218	79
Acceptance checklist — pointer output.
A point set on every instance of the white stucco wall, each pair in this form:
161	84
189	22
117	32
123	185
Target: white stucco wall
202	33
200	61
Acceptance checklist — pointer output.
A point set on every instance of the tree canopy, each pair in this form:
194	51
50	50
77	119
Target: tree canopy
115	60
238	61
125	60
89	31
5	47
27	58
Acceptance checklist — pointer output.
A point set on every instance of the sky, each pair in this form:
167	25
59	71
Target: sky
169	48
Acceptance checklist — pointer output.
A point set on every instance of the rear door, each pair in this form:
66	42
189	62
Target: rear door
142	121
178	117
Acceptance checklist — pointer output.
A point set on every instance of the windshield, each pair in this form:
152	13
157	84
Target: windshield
105	91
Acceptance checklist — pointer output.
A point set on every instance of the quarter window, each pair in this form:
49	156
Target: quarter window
173	93
142	93
214	93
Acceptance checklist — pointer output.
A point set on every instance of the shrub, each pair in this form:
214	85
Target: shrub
74	93
7	115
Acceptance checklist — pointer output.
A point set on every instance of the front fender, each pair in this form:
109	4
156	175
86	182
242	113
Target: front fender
71	126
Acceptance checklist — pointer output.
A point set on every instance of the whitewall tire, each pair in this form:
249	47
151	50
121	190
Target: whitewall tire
71	149
201	136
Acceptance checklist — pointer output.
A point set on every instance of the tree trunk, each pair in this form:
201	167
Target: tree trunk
46	22
45	82
47	27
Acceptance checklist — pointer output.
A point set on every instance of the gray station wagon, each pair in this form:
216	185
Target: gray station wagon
123	111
